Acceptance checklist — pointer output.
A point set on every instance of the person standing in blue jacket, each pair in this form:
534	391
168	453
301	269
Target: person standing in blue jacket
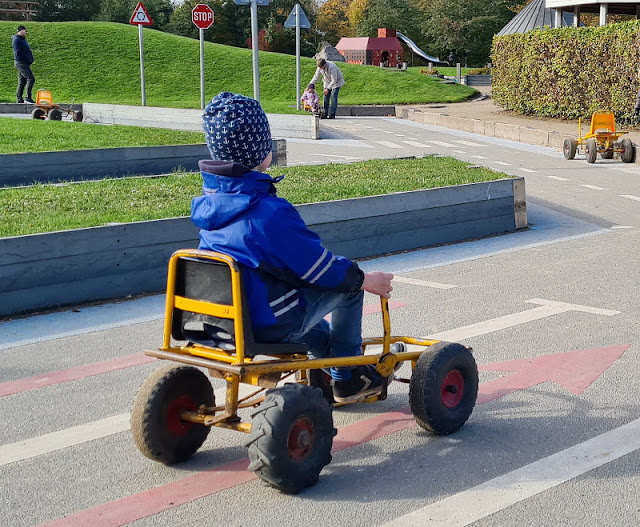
292	280
22	59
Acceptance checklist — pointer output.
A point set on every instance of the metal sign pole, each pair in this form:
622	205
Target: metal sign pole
254	45
297	57
201	68
140	41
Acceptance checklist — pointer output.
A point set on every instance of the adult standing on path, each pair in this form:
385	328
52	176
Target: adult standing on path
332	81
23	58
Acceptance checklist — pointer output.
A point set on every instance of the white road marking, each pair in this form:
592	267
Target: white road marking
547	308
504	491
623	227
77	435
527	170
389	144
442	143
502	163
387	132
629	196
399	135
468	143
424	283
479	157
459	151
557	178
333	156
593	187
418	144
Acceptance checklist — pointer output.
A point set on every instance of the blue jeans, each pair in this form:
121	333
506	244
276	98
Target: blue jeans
332	96
342	337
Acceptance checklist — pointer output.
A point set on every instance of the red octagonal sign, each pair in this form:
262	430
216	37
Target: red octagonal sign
202	16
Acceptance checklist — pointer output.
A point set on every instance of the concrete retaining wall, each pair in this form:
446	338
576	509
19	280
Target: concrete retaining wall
298	126
71	165
47	270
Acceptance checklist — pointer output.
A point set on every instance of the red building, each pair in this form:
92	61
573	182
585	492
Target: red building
385	49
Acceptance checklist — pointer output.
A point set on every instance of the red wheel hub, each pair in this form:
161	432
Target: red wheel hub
176	425
452	389
301	438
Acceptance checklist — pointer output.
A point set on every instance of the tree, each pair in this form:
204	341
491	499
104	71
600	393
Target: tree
465	27
121	11
64	10
333	22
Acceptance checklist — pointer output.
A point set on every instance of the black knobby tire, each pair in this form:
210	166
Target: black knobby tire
592	150
38	113
291	437
444	388
627	150
55	115
607	154
157	429
569	148
78	116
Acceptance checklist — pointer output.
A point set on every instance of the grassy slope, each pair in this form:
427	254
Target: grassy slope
98	62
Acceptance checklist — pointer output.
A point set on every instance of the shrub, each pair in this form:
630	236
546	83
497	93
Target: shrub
427	71
479	71
568	72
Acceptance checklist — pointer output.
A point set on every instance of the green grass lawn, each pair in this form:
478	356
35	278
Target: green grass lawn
47	208
22	135
99	62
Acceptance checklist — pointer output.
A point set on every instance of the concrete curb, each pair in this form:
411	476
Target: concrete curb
282	125
43	271
73	165
512	132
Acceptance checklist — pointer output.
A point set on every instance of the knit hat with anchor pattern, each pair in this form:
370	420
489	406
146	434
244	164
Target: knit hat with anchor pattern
237	129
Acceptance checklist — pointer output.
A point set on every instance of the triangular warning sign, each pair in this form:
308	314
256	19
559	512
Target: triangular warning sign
140	16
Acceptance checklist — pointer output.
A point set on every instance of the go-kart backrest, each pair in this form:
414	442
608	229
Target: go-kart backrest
206	280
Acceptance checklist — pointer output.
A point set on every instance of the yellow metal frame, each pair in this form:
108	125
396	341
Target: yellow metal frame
235	368
603	130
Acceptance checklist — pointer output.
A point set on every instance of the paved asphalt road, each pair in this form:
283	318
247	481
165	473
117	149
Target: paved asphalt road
553	316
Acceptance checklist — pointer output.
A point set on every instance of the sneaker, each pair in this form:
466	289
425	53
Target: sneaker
19	101
332	116
29	100
365	381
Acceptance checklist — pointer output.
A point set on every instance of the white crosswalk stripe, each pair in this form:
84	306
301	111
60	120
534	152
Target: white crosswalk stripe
389	144
467	143
418	144
442	143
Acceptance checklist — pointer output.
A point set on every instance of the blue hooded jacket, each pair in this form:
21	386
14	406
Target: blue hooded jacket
21	50
239	214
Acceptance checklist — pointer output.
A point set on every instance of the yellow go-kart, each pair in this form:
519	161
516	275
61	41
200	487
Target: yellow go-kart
290	434
602	139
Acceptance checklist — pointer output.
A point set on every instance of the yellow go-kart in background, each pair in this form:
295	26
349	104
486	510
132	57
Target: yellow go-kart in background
602	139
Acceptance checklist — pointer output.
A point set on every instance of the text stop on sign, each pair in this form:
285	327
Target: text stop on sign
202	16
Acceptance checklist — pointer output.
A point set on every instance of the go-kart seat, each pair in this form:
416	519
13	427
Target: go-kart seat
602	123
205	309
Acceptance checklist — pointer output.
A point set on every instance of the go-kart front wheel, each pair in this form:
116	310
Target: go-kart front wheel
443	388
157	429
569	148
627	150
592	150
291	437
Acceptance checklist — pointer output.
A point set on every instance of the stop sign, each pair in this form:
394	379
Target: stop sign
202	16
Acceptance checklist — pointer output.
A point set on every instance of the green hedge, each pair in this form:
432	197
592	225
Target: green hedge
568	72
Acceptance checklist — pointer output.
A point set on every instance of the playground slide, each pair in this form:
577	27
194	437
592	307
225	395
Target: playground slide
412	45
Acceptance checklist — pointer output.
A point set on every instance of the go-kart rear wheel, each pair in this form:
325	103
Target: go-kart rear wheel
569	148
38	113
291	437
627	150
55	115
78	116
157	429
607	154
592	150
444	387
